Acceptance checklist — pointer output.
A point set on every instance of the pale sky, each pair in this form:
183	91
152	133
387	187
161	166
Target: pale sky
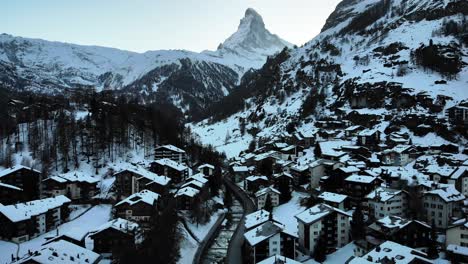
141	25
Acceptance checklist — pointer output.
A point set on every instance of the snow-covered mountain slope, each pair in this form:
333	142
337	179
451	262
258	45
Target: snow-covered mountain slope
45	66
382	57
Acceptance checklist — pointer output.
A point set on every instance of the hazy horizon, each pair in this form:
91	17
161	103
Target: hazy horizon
145	25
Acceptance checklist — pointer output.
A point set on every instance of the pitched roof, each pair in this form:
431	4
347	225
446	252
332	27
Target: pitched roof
62	252
262	232
73	176
266	190
161	180
172	164
187	191
277	259
23	211
448	193
122	225
360	178
383	194
144	196
317	212
399	253
171	148
333	197
14	169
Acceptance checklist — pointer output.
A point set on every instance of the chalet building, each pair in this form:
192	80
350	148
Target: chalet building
458	115
331	150
24	221
74	185
353	131
271	193
132	180
300	174
336	174
240	173
389	252
116	237
400	155
198	182
324	221
186	197
10	194
441	204
336	200
257	218
254	183
268	239
178	172
291	152
170	152
61	251
383	202
369	138
270	157
305	139
410	233
457	233
358	186
460	179
206	169
23	177
283	179
138	207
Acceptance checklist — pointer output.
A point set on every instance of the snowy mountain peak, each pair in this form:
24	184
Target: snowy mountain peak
252	36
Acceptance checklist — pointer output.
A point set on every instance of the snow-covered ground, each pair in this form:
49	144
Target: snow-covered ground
189	246
77	228
285	213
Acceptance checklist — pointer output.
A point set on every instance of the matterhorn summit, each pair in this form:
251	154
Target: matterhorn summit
253	37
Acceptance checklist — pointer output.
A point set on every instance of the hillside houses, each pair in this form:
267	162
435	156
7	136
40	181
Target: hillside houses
23	221
75	185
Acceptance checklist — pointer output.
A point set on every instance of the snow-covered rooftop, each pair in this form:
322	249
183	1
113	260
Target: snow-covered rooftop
360	178
8	186
266	190
171	148
121	225
153	177
144	196
447	192
23	211
399	253
317	212
187	191
74	176
332	197
256	218
172	164
262	232
14	169
62	252
383	194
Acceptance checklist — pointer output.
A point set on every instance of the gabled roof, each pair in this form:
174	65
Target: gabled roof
144	196
187	191
266	190
8	186
171	148
383	194
332	197
24	211
399	253
206	166
161	180
172	164
73	176
62	252
361	178
122	225
317	212
262	232
14	169
256	218
256	178
447	192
